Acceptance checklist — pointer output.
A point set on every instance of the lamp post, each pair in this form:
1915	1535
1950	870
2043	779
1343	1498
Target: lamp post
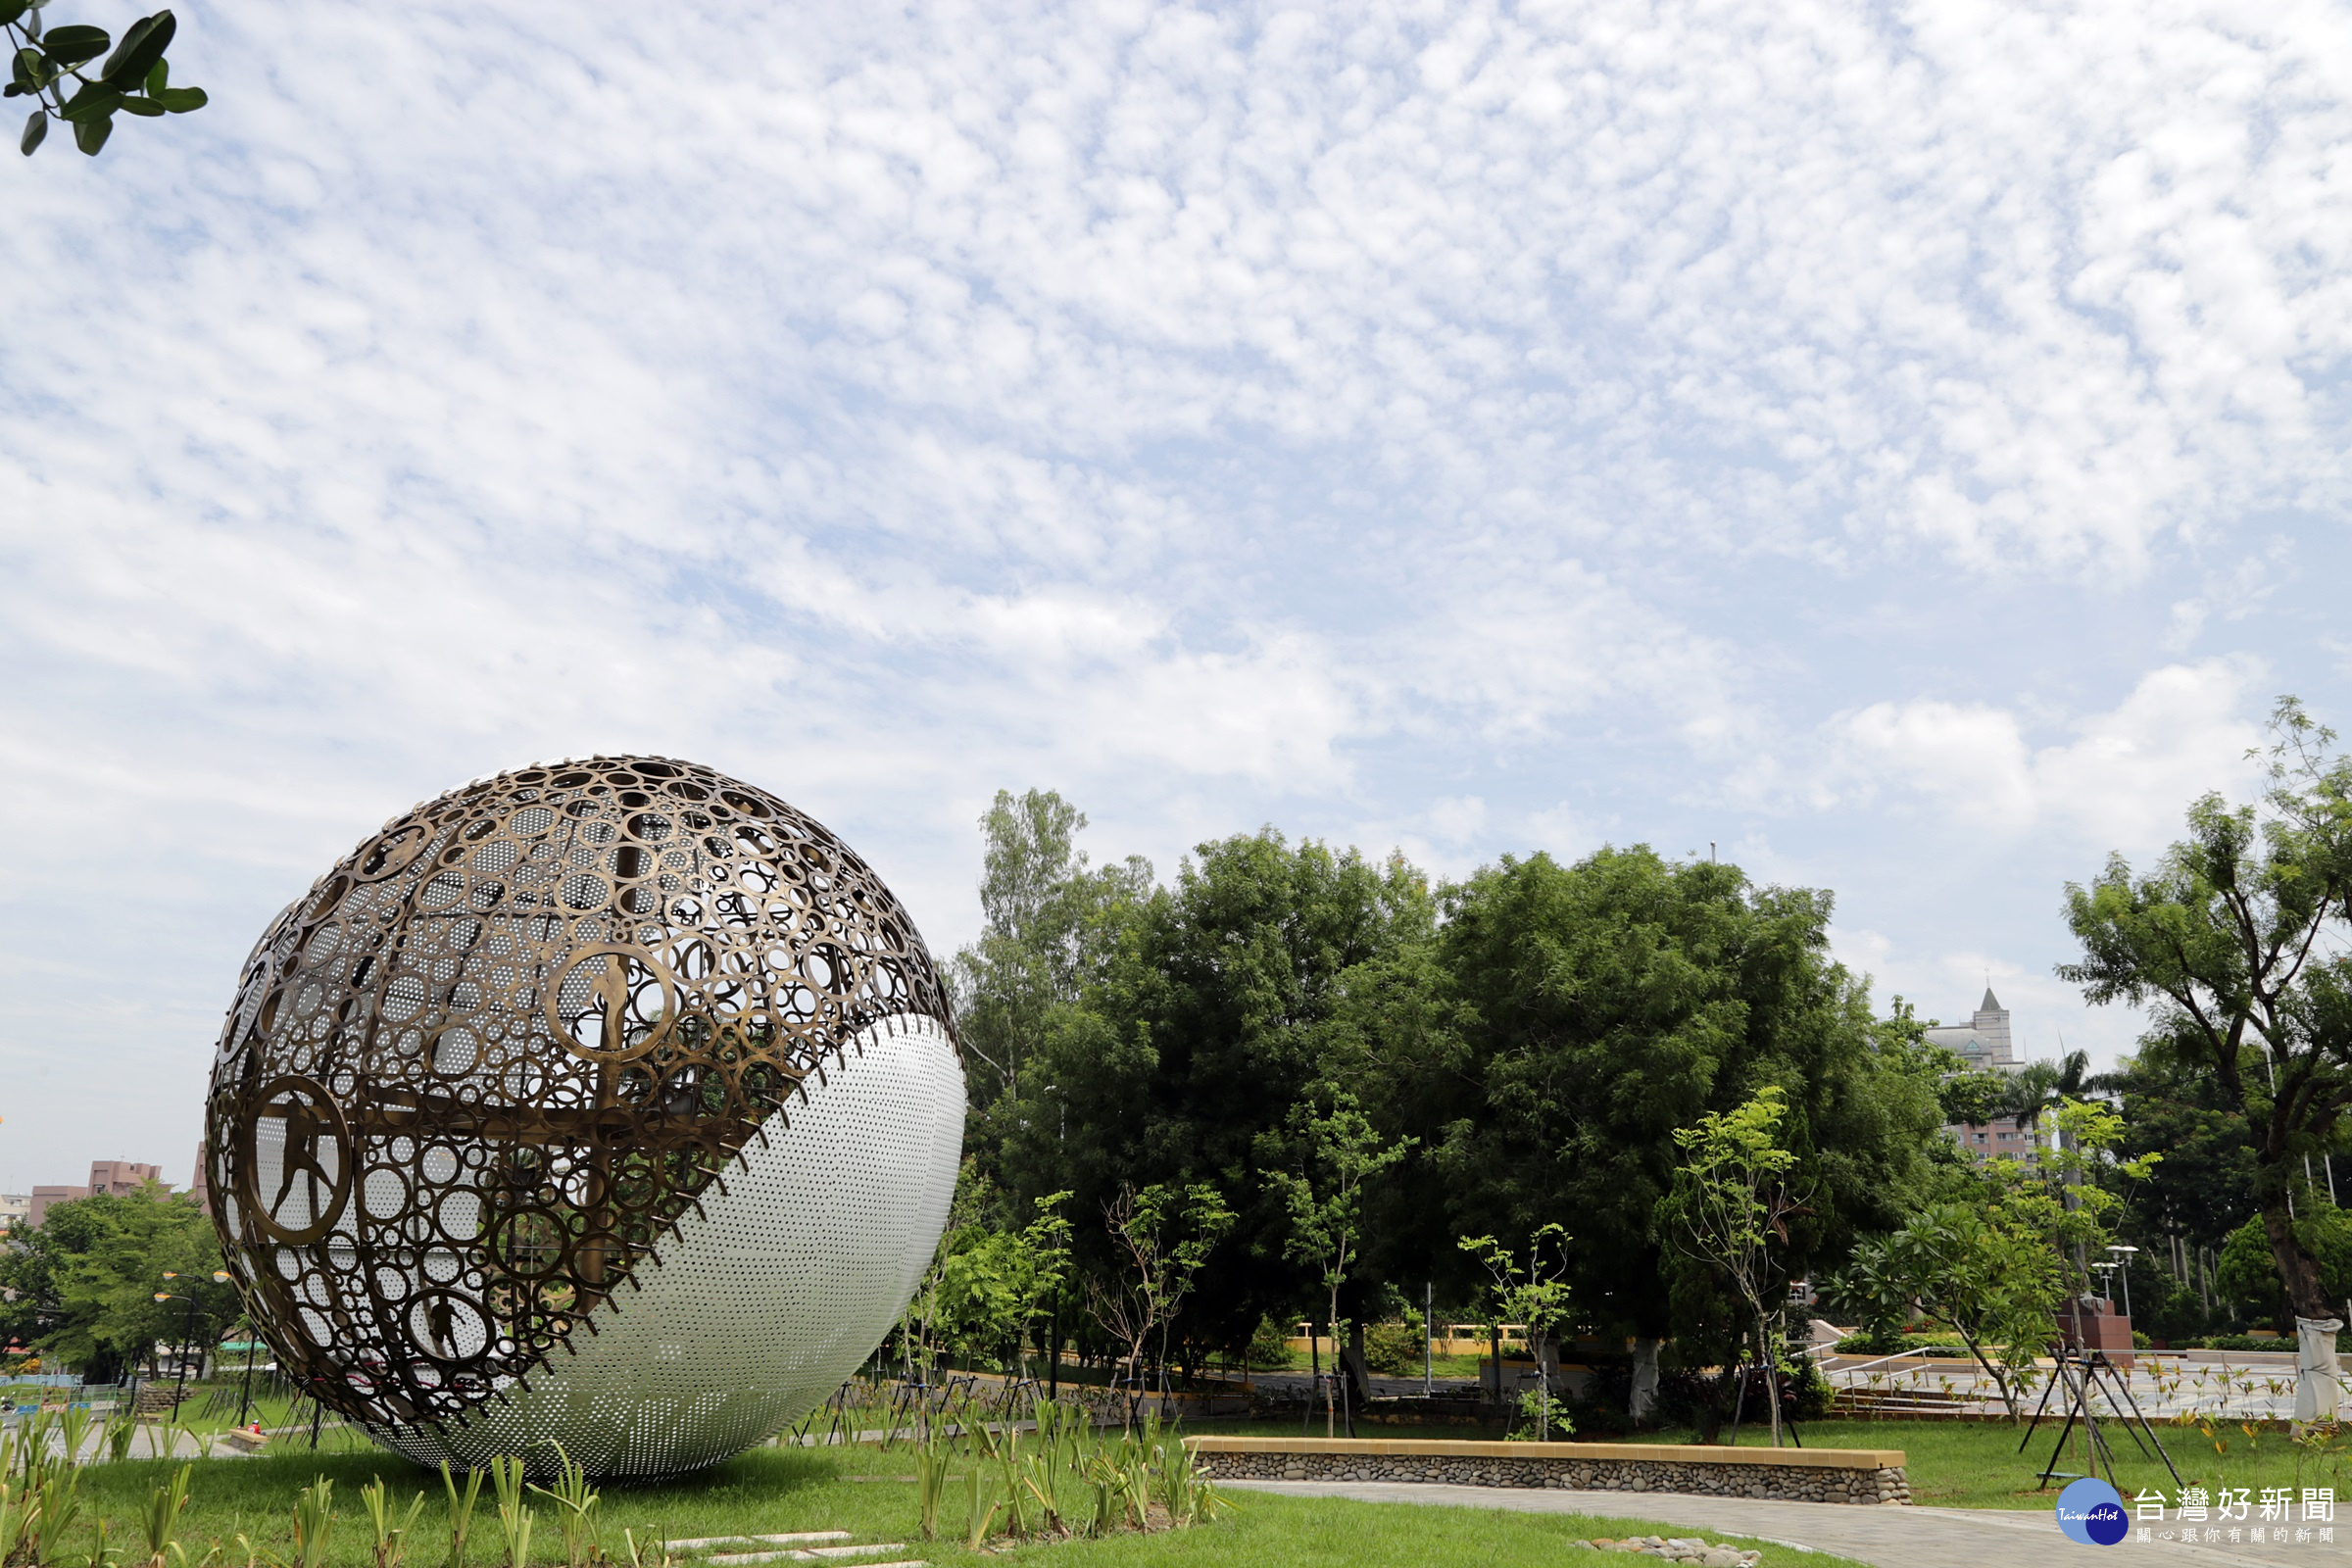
187	1332
245	1397
2123	1263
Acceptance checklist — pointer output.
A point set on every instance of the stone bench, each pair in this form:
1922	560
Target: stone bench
1796	1475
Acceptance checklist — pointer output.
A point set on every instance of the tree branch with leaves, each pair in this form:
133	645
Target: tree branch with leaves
46	65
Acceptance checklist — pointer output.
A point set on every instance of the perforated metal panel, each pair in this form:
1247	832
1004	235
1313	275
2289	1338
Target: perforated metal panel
506	1056
795	1265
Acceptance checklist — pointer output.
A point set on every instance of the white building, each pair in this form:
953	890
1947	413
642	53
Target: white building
1983	1040
1984	1044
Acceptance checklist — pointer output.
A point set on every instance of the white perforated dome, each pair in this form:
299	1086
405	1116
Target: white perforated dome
776	1287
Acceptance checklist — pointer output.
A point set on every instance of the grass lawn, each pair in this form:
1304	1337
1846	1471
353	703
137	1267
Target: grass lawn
866	1490
1968	1464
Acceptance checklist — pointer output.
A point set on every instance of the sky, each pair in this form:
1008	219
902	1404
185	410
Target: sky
1899	446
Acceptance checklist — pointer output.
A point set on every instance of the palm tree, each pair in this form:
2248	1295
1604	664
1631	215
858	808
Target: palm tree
2039	1087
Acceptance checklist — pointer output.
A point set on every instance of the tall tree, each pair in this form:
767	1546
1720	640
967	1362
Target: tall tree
1213	1011
1339	1151
1047	920
2240	945
1582	1013
83	1287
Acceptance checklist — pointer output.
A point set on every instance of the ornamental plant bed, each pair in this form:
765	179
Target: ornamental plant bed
1867	1475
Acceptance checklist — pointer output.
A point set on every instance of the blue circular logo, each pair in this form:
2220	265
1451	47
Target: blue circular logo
2091	1513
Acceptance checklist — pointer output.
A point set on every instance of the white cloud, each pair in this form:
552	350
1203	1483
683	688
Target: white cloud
2126	776
1224	414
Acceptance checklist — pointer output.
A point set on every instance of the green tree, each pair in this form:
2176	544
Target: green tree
994	1285
1730	1206
47	64
2239	943
1164	1234
1339	1151
83	1285
1985	1267
1048	920
1537	1298
1217	1006
2248	1273
1996	1256
1572	1018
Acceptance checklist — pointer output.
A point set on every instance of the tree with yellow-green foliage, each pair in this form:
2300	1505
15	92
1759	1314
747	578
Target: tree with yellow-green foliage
82	1287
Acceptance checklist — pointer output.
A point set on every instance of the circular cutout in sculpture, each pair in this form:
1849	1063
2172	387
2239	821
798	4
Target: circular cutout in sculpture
612	1103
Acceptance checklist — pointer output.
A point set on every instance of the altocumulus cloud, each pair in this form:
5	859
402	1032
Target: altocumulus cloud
1815	427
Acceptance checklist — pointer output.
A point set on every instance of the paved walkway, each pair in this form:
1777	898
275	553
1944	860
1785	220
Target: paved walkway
1890	1538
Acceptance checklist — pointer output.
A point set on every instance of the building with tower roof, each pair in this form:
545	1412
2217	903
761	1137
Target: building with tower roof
1984	1044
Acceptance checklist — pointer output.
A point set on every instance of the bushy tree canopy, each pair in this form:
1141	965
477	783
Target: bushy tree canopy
83	1285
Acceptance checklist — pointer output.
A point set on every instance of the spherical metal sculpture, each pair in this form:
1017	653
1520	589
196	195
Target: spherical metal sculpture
612	1103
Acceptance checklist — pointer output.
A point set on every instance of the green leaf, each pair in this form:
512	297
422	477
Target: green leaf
11	9
90	134
143	44
159	77
92	102
34	130
30	73
73	43
144	108
31	22
180	100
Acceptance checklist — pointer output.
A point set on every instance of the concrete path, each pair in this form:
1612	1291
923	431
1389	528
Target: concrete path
1889	1537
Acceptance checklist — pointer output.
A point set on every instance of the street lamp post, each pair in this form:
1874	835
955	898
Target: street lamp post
2122	1262
187	1332
245	1397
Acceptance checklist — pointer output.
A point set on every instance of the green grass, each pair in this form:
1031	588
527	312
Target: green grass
1968	1464
866	1490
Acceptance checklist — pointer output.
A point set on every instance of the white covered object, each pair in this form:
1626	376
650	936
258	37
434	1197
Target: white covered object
2318	1379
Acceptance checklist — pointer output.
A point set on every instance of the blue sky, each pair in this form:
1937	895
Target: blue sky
1903	445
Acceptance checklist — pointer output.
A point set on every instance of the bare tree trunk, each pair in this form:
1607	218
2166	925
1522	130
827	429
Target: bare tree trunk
2318	1388
2306	1297
1771	1362
1338	1370
1358	1371
1645	1377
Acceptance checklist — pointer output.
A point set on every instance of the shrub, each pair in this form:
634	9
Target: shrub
1269	1348
1879	1342
1394	1350
1809	1394
2234	1341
